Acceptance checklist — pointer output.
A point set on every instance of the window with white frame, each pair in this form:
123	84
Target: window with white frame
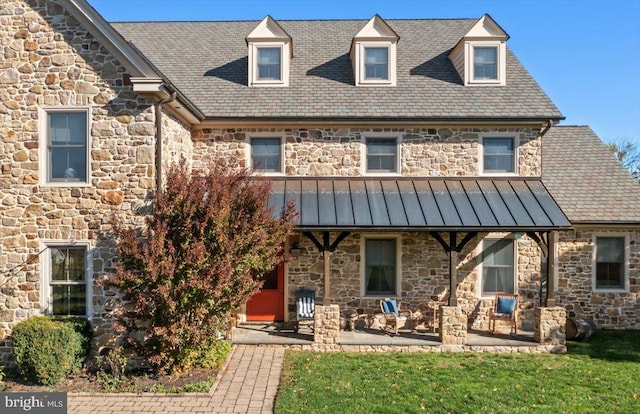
67	143
382	154
498	272
66	278
376	63
610	262
269	63
266	154
485	63
380	271
499	155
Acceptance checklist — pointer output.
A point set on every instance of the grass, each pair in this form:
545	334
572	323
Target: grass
598	375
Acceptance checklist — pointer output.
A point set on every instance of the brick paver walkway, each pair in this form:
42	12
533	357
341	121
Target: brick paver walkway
248	385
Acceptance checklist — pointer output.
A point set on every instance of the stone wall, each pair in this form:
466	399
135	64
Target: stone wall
48	60
550	326
176	140
425	273
575	281
338	152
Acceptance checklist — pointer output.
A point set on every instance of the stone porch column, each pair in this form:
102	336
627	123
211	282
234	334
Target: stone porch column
326	324
453	326
549	326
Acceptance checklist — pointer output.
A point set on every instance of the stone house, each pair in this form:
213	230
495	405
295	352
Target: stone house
422	156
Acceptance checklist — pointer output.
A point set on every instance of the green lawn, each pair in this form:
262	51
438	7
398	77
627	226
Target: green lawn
601	375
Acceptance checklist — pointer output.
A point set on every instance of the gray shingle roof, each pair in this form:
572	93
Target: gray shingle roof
207	61
586	179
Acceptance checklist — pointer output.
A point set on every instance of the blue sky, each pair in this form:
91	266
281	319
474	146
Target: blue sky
584	53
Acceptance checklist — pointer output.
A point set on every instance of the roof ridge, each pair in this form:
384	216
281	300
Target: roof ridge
297	20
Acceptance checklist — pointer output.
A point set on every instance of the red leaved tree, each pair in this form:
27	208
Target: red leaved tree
209	239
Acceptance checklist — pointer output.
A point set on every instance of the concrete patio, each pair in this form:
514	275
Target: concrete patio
273	334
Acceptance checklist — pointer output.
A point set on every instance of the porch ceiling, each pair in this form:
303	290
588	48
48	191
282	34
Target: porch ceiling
418	204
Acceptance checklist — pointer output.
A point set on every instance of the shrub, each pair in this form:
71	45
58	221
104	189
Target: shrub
215	355
81	326
201	254
46	350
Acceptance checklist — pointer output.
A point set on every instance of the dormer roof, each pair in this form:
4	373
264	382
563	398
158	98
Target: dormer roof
375	29
269	30
487	28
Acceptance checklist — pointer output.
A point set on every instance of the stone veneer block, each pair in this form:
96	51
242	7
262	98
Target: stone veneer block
550	325
453	325
326	324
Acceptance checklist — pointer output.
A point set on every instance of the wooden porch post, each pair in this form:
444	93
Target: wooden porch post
453	269
326	300
552	270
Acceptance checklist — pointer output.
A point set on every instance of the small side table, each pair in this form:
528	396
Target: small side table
434	307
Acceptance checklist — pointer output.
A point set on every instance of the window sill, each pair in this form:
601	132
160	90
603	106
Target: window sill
268	174
498	174
611	290
65	185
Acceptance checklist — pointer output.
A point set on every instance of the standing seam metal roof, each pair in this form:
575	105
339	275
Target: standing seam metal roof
418	204
208	62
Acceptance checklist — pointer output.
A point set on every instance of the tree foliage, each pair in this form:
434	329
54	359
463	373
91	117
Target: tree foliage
206	244
628	154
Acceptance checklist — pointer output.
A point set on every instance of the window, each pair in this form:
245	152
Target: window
382	155
485	63
499	155
376	63
67	280
497	267
380	267
266	154
66	146
269	63
610	263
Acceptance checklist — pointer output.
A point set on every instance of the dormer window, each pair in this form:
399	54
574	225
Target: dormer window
373	54
480	56
270	50
376	63
269	63
485	63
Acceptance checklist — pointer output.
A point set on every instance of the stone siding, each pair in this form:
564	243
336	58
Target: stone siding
550	326
425	273
425	152
575	281
50	61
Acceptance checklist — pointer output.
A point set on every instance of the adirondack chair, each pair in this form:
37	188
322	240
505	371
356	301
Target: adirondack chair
505	309
394	317
305	307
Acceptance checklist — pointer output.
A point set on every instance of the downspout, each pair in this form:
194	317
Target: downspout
158	110
547	128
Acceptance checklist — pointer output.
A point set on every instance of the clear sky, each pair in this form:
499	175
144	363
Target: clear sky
584	53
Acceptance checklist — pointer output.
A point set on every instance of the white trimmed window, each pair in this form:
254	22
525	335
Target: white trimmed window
66	145
381	267
382	155
66	280
376	63
499	155
268	64
498	269
485	63
610	268
267	155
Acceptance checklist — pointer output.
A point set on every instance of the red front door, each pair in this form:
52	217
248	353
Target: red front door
268	303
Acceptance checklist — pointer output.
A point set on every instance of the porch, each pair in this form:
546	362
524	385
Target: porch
281	334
